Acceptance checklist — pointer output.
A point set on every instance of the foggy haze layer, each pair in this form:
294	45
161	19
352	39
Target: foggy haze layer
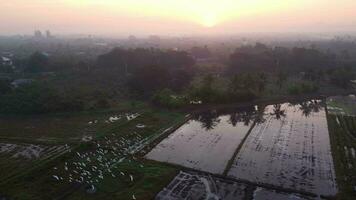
169	17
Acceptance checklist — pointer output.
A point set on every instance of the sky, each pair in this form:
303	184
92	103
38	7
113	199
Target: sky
176	17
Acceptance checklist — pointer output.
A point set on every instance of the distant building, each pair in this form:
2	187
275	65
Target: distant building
48	34
18	82
132	38
45	54
353	83
5	61
7	54
38	34
154	38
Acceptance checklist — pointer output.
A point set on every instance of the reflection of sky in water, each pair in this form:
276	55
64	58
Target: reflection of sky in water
291	148
247	115
288	140
206	143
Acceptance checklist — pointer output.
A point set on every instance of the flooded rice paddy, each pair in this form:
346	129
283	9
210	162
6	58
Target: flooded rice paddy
288	147
205	143
291	152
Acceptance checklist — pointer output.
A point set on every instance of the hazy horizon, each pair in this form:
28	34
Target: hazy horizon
168	17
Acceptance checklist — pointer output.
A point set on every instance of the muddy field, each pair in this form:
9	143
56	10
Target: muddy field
289	150
200	146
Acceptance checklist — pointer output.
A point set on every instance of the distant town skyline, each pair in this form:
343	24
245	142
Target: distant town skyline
169	17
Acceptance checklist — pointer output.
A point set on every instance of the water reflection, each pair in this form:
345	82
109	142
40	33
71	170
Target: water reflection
246	115
278	112
208	119
257	113
313	106
243	115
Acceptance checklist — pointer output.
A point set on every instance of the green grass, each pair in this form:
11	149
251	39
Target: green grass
344	162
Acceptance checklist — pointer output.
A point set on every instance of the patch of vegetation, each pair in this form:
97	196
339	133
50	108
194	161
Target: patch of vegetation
343	150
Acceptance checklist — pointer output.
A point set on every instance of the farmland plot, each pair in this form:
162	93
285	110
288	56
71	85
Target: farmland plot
291	152
197	145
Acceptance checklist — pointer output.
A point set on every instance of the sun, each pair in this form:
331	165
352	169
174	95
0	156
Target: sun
209	20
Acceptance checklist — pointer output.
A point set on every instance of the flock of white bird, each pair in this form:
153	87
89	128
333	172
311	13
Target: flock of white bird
128	116
102	160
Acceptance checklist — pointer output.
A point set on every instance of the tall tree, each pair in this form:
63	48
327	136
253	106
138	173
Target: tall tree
37	62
